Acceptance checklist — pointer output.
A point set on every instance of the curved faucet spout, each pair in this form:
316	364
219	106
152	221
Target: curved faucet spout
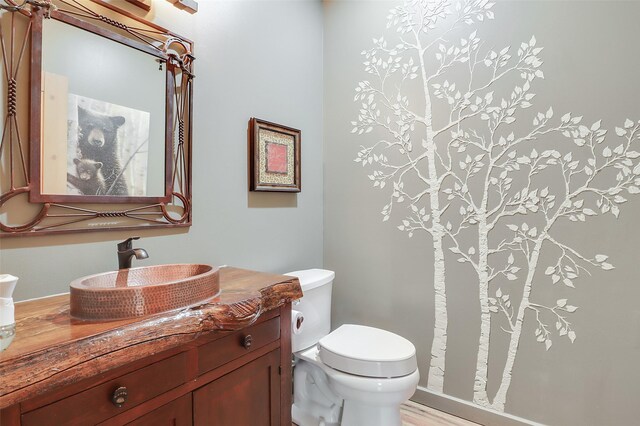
126	252
140	253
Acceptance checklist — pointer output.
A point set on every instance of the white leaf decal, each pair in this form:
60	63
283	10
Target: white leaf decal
469	139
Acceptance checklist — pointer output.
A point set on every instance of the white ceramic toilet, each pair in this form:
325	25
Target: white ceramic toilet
352	376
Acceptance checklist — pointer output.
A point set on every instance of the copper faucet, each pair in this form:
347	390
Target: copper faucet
126	252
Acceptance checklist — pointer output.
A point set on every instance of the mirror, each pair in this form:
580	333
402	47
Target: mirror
109	128
103	116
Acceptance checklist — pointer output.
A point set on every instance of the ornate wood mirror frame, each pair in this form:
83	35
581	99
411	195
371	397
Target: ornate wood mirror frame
27	207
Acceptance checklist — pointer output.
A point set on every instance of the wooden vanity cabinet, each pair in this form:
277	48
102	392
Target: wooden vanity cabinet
227	379
175	413
249	395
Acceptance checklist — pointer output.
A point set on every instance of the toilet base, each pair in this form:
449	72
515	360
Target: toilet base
314	403
327	397
356	413
302	418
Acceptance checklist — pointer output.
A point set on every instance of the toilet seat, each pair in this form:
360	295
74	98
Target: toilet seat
367	351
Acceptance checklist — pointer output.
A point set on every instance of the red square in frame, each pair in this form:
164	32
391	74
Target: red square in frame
276	157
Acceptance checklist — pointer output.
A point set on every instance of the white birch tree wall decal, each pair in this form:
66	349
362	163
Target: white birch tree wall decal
460	168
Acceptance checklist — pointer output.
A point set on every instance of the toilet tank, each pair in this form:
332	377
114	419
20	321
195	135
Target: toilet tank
315	306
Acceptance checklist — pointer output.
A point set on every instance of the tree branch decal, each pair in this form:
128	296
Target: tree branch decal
439	115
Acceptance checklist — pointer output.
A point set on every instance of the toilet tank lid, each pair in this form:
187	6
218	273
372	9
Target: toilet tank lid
312	278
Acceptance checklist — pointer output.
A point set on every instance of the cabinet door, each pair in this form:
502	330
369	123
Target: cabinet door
175	413
248	396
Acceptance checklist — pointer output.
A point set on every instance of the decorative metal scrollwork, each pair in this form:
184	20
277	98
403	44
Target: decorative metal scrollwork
19	218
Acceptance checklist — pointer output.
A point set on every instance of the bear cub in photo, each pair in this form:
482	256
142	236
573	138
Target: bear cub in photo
98	141
89	180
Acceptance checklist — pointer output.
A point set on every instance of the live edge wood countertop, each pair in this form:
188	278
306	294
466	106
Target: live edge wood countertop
52	349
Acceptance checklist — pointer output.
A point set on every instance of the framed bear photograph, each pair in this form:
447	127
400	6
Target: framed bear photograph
274	157
99	162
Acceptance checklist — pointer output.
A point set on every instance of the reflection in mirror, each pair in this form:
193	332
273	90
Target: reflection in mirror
103	112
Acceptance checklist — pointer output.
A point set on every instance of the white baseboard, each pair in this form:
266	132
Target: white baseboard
467	410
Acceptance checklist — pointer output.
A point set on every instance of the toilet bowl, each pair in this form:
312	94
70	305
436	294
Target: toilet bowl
353	376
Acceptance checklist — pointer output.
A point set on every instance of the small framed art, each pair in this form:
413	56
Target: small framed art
274	157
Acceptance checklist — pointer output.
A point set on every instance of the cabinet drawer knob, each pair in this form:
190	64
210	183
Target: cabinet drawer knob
247	341
119	396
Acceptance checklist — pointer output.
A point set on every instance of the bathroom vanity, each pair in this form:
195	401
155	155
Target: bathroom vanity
225	362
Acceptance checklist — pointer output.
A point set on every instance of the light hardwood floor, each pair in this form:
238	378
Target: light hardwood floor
414	414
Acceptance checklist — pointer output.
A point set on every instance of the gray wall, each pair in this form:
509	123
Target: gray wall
385	279
254	58
265	59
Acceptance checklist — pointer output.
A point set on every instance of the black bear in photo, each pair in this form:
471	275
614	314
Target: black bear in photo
98	141
89	180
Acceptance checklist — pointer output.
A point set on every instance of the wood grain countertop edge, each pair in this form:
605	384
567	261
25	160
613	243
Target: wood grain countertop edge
40	363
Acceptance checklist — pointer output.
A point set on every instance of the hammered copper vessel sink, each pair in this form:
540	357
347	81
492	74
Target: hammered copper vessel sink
135	292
